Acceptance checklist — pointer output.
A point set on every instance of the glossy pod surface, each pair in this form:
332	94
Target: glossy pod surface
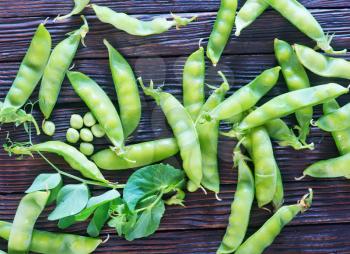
141	154
338	120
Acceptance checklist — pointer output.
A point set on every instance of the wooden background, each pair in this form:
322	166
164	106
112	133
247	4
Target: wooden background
198	228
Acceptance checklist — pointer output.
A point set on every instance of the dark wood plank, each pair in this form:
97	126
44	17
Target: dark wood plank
15	35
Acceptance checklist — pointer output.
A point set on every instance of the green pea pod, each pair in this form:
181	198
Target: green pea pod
134	26
193	83
240	207
141	154
247	96
291	102
28	211
31	69
341	138
222	30
127	90
332	168
280	131
296	78
101	107
184	131
264	237
208	134
302	19
249	12
322	65
70	154
278	198
79	6
55	243
265	166
60	60
338	120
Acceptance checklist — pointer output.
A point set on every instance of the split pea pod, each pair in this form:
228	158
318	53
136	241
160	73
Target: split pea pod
291	102
101	107
28	211
60	60
193	83
341	138
70	154
265	166
30	70
296	78
240	207
79	6
55	243
338	120
222	30
302	19
247	96
249	12
208	134
265	236
141	154
184	131
127	90
134	26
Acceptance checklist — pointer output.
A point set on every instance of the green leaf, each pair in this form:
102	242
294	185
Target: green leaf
71	200
152	180
66	222
54	193
147	223
99	219
45	182
177	199
95	202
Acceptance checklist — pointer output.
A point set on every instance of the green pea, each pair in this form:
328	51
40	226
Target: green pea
76	121
49	128
97	131
86	135
86	148
89	120
79	6
72	135
134	26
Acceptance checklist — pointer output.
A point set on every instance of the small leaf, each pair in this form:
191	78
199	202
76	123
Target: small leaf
66	222
45	182
177	199
99	219
53	193
71	200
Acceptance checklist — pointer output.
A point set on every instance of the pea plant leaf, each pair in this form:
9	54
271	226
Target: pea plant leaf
71	200
45	182
152	180
101	215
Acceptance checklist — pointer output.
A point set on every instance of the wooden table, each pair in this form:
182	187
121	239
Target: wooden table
198	228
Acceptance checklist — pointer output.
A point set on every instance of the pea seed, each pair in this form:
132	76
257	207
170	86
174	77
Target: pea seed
72	135
89	119
97	131
76	121
86	135
49	128
86	148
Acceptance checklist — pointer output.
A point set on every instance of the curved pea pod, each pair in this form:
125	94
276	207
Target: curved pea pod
322	65
265	166
101	107
184	131
335	167
285	136
338	120
28	211
208	134
221	32
278	198
55	243
341	138
291	102
134	26
193	83
247	96
60	60
240	207
79	6
296	78
302	19
265	236
70	154
127	90
30	70
141	154
249	12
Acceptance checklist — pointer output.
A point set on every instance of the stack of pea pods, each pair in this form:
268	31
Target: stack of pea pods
195	122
